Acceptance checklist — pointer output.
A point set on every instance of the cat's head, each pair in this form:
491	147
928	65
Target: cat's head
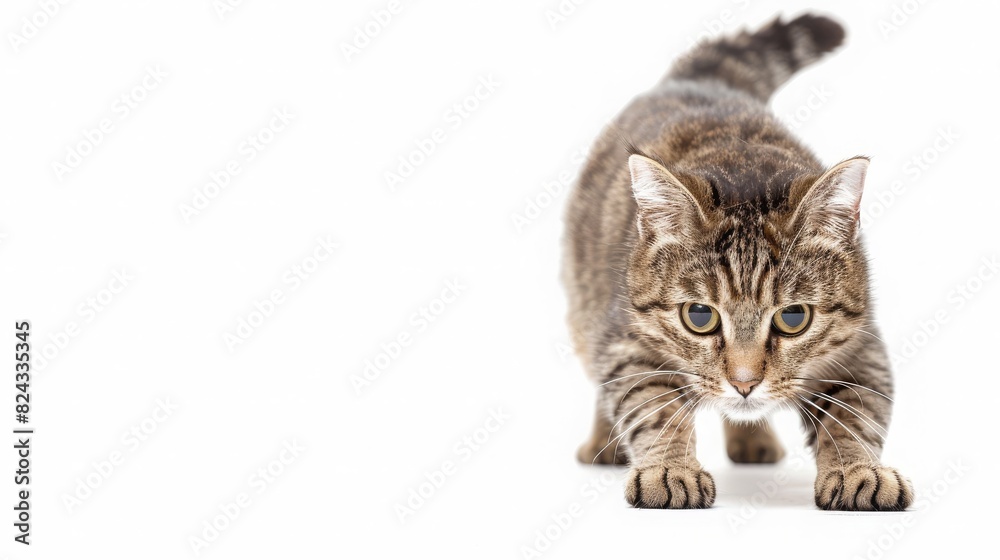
747	294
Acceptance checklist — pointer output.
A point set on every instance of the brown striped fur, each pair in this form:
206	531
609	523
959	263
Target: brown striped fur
711	200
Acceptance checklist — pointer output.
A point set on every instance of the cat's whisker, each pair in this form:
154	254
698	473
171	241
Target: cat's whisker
866	447
871	335
799	406
789	406
637	422
656	371
660	434
815	421
680	423
879	429
852	377
642	381
663	429
686	408
832	359
836	381
642	404
694	414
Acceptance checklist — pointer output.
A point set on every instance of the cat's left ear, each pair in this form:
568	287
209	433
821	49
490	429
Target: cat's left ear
831	205
665	202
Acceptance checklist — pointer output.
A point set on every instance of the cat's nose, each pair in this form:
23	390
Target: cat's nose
744	367
744	387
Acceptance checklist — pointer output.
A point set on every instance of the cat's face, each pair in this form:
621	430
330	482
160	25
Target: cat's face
747	298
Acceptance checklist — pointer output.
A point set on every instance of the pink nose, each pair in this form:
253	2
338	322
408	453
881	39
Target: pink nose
744	387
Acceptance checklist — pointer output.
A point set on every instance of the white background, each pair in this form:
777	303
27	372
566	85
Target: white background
502	343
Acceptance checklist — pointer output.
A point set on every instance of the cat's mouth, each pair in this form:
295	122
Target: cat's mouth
745	410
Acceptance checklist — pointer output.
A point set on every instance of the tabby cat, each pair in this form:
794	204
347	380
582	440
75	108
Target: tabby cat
711	261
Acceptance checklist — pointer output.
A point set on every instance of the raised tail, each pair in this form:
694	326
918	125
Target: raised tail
760	62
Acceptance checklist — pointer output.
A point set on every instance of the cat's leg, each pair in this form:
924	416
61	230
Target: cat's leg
654	425
752	442
596	449
848	421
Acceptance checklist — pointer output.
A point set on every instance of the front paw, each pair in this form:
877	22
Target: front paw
673	487
863	487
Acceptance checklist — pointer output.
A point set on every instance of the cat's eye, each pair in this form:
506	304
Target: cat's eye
700	318
792	320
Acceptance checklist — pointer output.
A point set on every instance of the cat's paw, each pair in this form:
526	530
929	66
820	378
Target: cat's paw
673	487
863	487
755	449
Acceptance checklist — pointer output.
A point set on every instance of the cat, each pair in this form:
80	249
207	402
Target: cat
712	261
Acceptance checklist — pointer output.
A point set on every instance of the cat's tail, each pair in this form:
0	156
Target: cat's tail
760	62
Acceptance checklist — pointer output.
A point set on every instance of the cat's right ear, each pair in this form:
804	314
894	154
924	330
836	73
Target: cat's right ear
665	204
831	206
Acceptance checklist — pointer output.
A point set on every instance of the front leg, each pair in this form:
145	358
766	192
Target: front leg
653	421
849	422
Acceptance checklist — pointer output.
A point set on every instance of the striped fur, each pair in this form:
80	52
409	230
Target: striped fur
712	201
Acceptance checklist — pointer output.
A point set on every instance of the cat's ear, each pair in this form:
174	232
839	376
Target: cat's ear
831	205
665	203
